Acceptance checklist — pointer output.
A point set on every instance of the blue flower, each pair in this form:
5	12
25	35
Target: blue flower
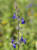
14	17
12	40
23	21
23	40
14	45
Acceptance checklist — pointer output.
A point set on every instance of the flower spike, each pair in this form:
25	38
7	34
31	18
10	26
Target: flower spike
17	17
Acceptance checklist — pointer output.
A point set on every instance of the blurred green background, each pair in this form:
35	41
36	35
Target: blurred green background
8	25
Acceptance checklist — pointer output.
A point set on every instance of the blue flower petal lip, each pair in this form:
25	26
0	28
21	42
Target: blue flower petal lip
14	17
21	38
23	21
14	45
12	40
24	41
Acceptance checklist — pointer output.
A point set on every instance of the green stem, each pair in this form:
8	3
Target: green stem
18	30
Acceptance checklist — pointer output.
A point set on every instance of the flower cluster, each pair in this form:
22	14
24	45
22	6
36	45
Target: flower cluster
22	20
21	40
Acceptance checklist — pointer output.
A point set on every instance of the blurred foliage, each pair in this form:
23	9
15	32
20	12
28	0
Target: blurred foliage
7	24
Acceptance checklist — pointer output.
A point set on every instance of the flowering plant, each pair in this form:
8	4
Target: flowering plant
21	40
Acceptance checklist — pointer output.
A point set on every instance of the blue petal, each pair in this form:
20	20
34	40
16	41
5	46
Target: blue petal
24	41
14	14
12	40
23	21
21	38
14	45
14	17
